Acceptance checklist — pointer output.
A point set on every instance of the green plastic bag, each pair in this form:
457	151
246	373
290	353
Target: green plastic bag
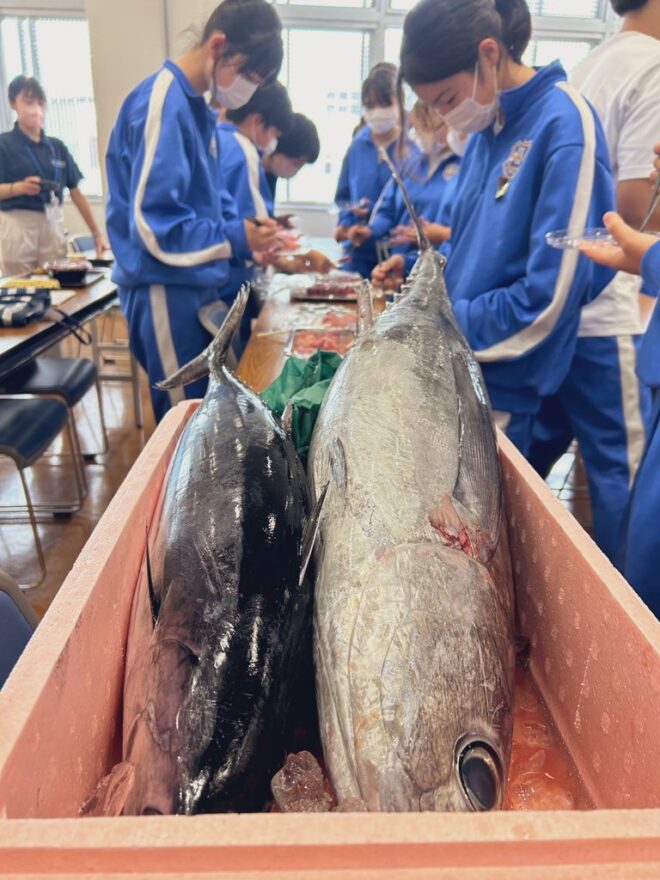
304	383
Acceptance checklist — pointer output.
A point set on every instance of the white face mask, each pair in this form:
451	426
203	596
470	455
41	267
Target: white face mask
284	167
457	143
470	116
382	120
270	147
429	144
234	96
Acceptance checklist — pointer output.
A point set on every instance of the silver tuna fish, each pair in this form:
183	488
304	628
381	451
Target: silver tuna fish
223	611
413	618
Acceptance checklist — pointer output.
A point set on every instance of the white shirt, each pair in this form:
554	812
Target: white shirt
621	79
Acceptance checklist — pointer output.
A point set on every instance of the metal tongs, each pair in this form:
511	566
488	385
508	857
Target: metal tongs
655	200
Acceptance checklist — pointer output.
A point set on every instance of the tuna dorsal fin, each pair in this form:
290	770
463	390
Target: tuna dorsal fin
310	534
422	238
365	309
214	358
154	601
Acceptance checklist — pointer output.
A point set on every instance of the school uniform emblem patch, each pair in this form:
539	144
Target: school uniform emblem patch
451	170
512	166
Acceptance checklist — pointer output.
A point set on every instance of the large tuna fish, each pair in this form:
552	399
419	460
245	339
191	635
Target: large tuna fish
223	610
413	619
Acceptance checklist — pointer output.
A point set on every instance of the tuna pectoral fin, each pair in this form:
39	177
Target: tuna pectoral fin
365	309
154	601
215	357
287	418
310	535
478	486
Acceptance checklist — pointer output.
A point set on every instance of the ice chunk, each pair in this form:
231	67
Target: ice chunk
299	786
535	792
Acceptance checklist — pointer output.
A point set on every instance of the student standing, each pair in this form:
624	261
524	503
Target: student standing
35	170
537	162
601	401
164	212
364	173
300	146
640	559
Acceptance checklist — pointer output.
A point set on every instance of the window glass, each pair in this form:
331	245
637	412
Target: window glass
38	47
323	71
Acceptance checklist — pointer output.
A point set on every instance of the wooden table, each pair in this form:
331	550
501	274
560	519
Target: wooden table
19	345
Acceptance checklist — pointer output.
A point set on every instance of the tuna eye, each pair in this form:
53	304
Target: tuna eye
479	771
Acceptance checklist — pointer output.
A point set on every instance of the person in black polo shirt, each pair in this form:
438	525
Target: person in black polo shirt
299	146
34	172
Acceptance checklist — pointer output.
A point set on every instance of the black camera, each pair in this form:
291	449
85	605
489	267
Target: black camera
49	185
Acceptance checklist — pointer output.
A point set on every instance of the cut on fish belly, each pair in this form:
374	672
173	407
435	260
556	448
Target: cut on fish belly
413	614
222	612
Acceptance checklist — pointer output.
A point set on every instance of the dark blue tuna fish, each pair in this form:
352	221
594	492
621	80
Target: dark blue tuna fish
222	612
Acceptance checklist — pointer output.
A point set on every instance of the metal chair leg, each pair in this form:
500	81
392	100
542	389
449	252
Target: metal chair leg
104	428
137	396
35	532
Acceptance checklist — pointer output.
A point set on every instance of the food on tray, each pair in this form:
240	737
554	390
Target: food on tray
305	343
31	283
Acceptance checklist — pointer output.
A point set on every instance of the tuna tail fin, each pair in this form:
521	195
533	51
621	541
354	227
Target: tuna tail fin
422	237
213	359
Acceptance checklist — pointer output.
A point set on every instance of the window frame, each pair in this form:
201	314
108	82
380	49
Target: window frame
73	9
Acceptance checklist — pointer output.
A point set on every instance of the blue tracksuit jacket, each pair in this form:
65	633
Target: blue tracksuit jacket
517	299
428	194
640	561
363	175
166	225
244	174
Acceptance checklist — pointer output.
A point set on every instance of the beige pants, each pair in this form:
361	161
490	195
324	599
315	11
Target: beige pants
28	239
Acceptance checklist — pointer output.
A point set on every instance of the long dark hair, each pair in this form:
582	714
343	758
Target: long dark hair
380	84
442	37
253	29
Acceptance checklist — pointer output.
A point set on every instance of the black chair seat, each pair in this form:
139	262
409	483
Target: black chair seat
69	378
28	427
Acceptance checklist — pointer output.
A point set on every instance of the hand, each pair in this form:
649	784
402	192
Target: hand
437	233
628	256
389	274
657	162
359	234
362	209
261	238
284	221
102	245
341	234
403	235
31	186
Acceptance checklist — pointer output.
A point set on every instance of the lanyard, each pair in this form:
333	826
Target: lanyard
56	170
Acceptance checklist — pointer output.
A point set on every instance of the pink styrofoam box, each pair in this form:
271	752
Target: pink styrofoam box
60	721
60	710
595	647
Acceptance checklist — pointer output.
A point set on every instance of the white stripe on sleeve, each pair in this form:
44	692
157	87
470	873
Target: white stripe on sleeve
253	167
546	321
151	137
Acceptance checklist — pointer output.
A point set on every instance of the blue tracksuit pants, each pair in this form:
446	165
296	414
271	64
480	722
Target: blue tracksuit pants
165	334
602	404
639	558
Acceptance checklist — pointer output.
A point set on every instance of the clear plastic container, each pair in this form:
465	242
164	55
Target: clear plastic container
568	239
